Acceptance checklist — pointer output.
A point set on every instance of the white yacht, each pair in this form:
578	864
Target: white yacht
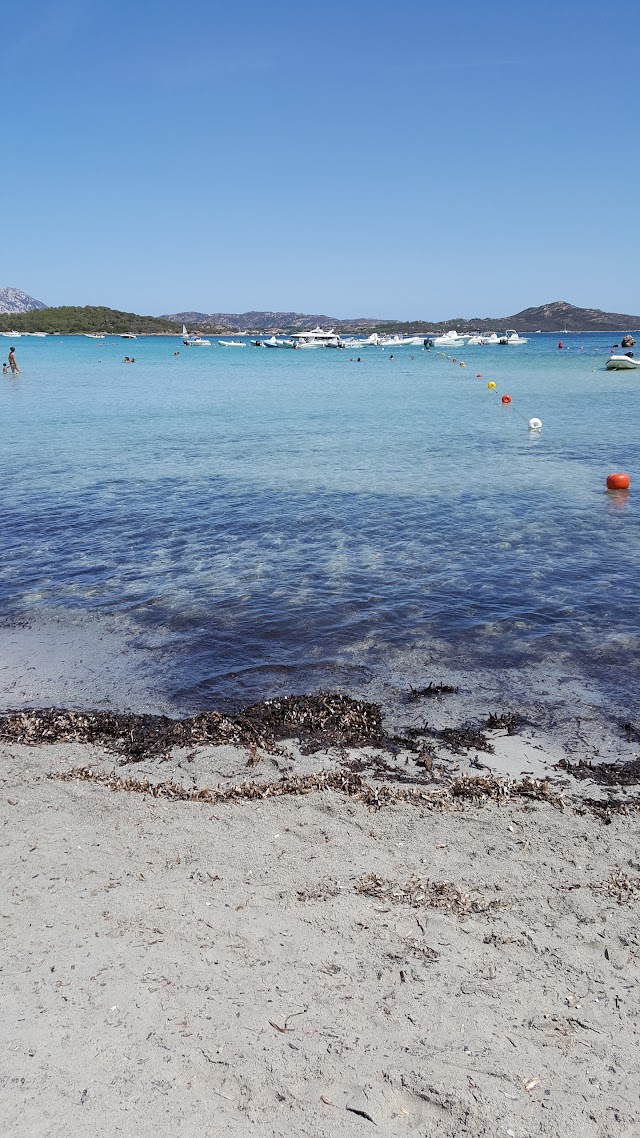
89	335
512	337
128	336
192	341
11	335
317	338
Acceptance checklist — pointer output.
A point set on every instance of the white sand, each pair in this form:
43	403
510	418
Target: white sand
150	946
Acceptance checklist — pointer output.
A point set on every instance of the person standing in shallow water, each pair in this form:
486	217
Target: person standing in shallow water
13	363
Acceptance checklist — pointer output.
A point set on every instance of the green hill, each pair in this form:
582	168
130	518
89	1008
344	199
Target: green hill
88	319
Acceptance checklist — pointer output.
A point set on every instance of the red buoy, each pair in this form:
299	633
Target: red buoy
561	345
618	482
506	398
479	375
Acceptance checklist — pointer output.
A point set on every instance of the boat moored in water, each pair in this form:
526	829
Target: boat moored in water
622	363
317	338
231	344
450	340
190	340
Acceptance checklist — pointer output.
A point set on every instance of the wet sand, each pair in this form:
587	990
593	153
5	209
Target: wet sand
306	964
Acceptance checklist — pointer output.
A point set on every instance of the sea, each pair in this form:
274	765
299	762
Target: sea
223	525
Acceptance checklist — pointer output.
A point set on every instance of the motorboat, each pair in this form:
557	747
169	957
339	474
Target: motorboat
88	335
231	344
622	363
128	336
274	342
481	339
512	337
317	338
372	341
190	340
402	342
450	340
11	335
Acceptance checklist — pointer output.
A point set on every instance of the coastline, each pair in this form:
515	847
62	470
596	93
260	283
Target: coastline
452	955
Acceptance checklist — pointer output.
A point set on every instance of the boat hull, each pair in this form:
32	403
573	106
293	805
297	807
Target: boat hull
622	363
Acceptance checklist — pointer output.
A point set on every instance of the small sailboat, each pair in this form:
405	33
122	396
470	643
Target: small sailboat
191	341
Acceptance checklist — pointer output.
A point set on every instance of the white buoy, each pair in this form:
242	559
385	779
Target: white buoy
535	424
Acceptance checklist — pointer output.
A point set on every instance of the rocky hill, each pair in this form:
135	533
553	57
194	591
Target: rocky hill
13	300
554	317
270	321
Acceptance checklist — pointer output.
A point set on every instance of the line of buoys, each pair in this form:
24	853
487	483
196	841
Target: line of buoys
533	424
618	481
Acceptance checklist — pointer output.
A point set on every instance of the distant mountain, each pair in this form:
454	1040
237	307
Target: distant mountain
554	317
12	300
559	315
269	321
88	319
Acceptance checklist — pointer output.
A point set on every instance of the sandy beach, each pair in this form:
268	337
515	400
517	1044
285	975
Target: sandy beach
404	950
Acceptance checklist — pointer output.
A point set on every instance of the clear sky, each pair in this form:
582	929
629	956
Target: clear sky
357	158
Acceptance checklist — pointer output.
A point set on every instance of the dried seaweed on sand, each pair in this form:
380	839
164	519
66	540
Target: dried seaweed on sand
620	886
345	782
426	894
318	721
605	774
430	692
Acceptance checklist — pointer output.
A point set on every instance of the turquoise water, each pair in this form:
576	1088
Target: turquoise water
272	521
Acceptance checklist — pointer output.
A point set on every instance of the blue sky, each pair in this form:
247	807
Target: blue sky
402	160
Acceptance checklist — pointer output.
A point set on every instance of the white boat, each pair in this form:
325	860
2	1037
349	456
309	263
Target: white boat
622	363
274	342
128	336
35	334
355	342
11	335
231	344
512	337
449	340
316	338
192	341
89	335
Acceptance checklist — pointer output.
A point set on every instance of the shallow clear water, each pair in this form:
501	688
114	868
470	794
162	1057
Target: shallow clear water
273	520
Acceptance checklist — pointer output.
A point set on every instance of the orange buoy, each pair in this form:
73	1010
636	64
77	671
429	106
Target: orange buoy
618	482
479	375
506	398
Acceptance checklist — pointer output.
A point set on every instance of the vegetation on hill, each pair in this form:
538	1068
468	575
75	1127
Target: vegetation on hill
88	319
